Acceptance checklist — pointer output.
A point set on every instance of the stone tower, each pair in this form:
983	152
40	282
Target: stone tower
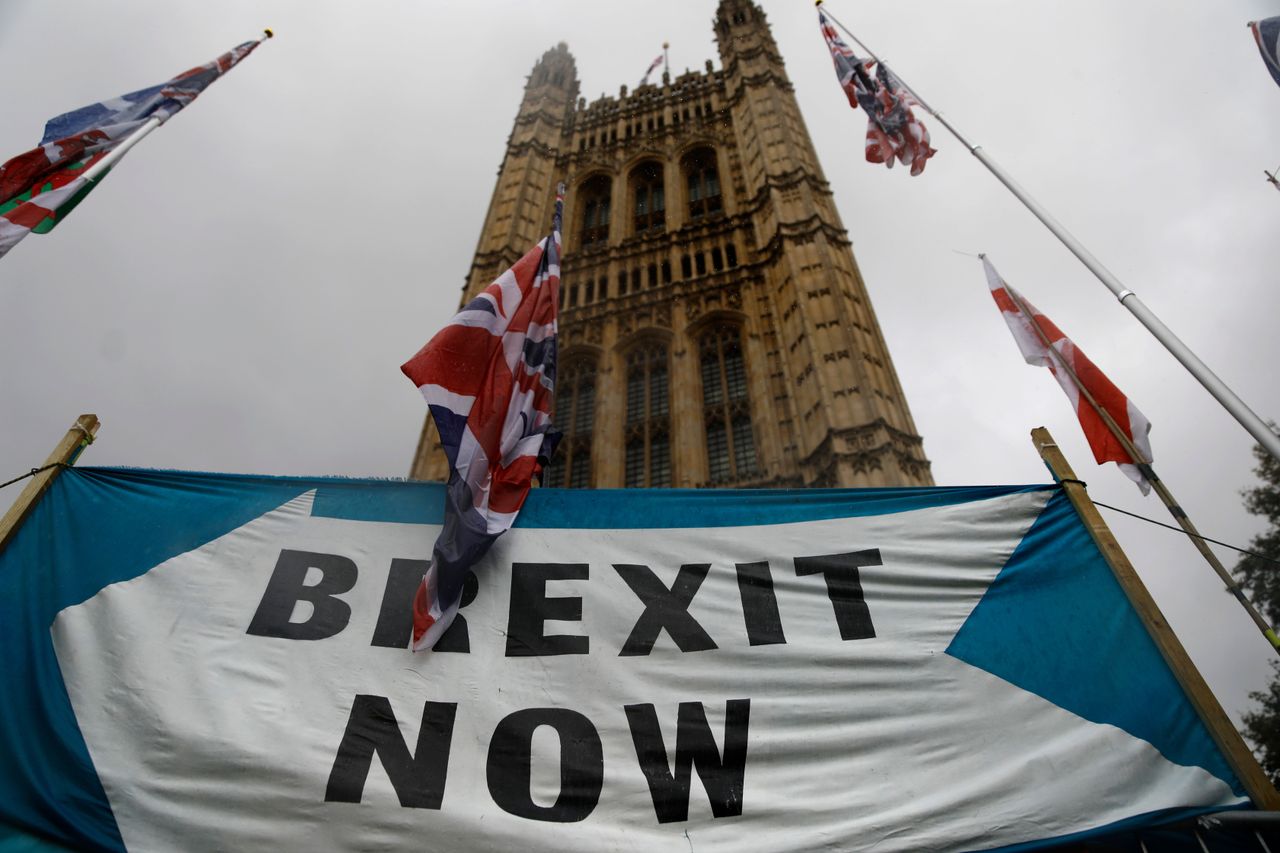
714	327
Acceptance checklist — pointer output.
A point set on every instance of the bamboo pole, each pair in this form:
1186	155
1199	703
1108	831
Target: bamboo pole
1144	465
1224	734
66	452
1227	398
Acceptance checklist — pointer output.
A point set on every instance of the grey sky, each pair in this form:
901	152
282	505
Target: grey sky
239	294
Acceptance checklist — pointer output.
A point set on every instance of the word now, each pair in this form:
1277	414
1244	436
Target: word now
419	777
530	606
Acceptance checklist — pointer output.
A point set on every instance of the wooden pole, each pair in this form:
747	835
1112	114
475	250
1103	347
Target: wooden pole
1144	465
1224	734
77	439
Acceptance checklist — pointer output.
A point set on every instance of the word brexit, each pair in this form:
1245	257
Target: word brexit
531	607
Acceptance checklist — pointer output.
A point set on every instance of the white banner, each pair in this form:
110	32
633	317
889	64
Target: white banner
877	673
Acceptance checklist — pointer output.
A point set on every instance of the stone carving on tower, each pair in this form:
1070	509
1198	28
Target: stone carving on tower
714	328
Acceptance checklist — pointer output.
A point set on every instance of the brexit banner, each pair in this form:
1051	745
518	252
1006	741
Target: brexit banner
218	662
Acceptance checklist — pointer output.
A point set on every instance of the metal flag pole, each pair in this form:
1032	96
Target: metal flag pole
1256	427
97	169
666	61
1144	465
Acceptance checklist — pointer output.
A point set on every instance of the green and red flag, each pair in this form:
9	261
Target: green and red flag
40	187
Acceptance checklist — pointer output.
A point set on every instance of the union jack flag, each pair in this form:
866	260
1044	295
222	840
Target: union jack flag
40	187
657	60
893	131
1267	34
489	380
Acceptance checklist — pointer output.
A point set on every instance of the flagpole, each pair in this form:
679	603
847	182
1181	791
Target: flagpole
91	174
666	62
1247	418
1144	465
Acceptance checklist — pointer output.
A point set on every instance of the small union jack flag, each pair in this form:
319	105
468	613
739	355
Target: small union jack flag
657	60
489	380
893	131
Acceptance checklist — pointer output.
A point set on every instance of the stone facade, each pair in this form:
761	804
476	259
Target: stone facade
714	327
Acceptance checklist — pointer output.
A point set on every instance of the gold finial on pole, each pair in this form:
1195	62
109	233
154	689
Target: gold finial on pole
269	32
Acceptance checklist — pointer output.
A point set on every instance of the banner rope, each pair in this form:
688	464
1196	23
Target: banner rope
33	472
1180	530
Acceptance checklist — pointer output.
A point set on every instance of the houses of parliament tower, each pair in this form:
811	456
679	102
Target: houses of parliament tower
714	327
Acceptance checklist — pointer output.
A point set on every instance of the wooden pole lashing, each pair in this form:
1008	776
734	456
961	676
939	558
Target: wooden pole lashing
77	438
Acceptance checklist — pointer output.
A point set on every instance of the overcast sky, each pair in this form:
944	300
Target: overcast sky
240	293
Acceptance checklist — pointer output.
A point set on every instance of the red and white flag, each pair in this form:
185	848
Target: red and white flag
1106	447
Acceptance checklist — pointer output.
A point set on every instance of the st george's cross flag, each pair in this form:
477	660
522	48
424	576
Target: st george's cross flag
39	188
489	379
1106	447
893	131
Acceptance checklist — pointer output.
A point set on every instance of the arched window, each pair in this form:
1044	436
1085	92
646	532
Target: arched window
651	204
575	416
647	435
731	447
704	183
595	211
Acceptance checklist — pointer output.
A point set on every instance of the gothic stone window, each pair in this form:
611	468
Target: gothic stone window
704	183
595	211
651	205
731	447
575	417
647	435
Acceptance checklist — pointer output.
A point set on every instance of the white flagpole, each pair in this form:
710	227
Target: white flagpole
91	174
1258	428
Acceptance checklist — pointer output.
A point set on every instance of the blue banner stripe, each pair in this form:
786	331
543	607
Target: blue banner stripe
1058	589
124	523
1125	835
